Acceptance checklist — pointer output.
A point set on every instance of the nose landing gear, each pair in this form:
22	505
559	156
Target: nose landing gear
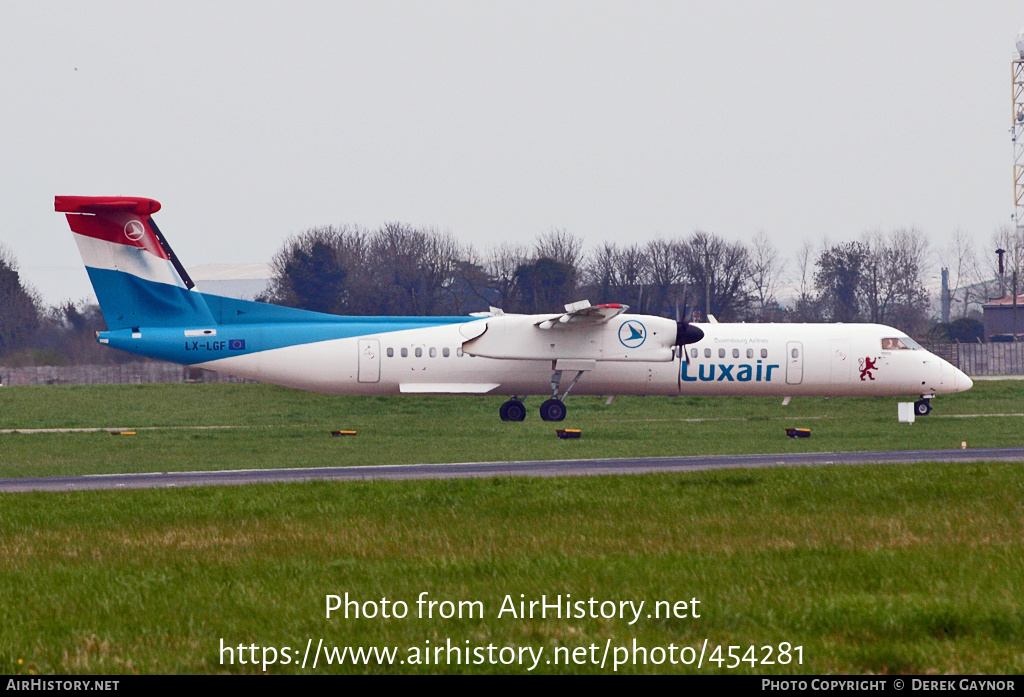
923	407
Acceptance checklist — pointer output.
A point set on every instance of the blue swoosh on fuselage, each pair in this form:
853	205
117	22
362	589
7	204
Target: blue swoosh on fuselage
171	344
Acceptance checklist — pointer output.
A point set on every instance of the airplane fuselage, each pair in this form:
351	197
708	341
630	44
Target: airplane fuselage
731	359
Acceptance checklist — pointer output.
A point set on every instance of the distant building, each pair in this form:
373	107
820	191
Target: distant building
1002	319
242	281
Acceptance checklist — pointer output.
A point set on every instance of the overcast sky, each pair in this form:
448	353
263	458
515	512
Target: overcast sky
619	121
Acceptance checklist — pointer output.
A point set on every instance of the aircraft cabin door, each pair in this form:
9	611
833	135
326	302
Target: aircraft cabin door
794	363
369	360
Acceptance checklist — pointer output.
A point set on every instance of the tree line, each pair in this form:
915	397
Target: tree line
401	269
32	333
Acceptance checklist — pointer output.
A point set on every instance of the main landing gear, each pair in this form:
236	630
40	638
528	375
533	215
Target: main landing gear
513	410
551	410
923	407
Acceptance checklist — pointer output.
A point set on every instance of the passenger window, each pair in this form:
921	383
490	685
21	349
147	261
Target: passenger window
721	353
764	353
707	353
445	352
419	352
391	353
433	352
795	353
750	353
405	353
693	353
735	353
458	352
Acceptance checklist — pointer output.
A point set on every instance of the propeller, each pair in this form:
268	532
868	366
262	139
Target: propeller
686	333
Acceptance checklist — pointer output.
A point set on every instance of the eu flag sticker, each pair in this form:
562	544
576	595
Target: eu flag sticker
236	344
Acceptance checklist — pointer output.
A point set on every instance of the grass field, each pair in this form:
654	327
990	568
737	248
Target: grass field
871	569
275	427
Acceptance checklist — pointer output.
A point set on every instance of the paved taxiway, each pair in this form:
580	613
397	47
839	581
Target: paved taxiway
544	468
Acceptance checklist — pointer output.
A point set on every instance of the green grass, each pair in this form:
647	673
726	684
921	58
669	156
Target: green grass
276	427
872	569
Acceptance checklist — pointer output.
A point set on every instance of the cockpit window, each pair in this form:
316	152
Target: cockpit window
899	343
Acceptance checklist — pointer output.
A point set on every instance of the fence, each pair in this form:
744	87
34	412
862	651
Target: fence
983	359
124	373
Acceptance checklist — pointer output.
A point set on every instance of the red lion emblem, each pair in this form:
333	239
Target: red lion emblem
867	364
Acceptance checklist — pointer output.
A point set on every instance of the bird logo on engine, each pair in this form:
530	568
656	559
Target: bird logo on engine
632	334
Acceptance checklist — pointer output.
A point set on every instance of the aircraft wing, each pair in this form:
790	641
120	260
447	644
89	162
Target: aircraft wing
583	312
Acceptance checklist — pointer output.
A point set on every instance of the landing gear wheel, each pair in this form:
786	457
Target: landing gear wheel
923	407
552	410
512	410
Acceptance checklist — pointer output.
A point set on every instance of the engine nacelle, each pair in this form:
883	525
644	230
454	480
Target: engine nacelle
623	338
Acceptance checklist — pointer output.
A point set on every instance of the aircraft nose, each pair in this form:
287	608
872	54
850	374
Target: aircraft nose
962	381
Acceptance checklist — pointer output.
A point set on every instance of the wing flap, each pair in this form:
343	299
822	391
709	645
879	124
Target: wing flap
583	312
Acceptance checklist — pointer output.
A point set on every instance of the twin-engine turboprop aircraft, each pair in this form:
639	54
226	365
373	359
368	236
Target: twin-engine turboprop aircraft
152	309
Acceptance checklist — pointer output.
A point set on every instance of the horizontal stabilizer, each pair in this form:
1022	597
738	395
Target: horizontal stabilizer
100	204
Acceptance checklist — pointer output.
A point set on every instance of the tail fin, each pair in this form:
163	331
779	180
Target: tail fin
138	280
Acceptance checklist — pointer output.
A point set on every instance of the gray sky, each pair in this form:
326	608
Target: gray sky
620	121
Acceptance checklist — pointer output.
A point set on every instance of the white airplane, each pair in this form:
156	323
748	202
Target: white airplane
152	309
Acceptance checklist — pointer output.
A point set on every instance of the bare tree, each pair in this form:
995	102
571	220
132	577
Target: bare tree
876	285
562	246
615	274
880	278
500	265
1006	238
600	271
317	269
414	269
906	264
967	287
717	272
805	306
632	269
666	276
472	289
765	274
